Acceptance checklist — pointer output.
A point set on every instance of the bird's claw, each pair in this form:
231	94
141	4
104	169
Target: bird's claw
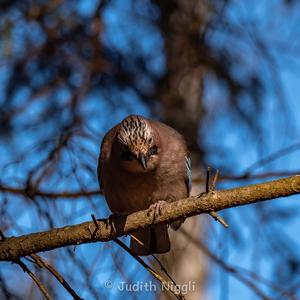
110	222
156	208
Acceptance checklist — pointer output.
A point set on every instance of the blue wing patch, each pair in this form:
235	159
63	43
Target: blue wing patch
188	180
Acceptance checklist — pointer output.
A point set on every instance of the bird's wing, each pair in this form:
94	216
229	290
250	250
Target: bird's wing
167	130
99	167
188	179
105	151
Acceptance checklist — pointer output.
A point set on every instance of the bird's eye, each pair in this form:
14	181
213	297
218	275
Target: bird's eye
150	140
152	151
127	155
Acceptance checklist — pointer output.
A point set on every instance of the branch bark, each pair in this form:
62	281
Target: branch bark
15	247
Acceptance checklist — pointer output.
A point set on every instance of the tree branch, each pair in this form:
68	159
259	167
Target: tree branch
50	195
15	247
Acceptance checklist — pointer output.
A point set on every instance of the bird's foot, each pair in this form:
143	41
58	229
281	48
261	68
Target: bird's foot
110	222
200	195
156	208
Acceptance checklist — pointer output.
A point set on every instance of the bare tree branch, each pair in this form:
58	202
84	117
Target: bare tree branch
15	247
35	192
175	291
43	264
225	266
88	193
34	278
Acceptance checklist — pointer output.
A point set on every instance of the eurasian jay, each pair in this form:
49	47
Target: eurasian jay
142	163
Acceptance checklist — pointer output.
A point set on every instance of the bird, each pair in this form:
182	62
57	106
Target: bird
143	164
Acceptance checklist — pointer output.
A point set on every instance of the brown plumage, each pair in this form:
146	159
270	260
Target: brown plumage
142	162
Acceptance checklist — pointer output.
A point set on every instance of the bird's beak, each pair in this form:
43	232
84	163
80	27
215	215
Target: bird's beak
143	161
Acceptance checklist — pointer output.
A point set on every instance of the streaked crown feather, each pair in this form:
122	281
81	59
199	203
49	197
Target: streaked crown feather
135	133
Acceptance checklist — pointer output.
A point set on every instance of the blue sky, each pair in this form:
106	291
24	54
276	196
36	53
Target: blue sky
239	147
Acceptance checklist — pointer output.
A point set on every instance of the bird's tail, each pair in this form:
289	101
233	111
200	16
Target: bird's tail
155	239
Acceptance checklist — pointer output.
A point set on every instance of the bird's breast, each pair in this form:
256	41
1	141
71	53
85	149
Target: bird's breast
127	193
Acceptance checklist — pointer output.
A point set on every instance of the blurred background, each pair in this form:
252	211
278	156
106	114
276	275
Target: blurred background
224	73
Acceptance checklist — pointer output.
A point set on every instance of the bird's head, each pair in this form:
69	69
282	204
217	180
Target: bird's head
139	145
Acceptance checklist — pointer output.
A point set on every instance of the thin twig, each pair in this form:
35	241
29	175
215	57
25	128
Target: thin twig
218	218
213	185
27	270
207	179
211	188
52	270
272	157
70	195
34	278
96	225
164	283
2	236
164	269
155	258
225	266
